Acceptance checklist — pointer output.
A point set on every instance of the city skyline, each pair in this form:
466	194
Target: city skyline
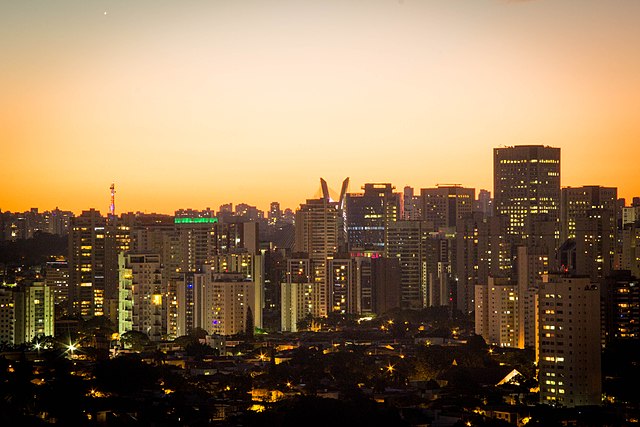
200	104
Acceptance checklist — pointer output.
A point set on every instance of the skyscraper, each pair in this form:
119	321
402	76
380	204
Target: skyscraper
368	215
526	185
320	233
446	204
569	342
87	264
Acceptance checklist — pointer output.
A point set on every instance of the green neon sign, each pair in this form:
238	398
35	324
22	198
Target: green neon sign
195	220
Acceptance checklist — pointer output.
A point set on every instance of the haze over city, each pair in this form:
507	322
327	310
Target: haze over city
194	104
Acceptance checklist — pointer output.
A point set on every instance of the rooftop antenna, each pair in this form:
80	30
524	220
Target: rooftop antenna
112	206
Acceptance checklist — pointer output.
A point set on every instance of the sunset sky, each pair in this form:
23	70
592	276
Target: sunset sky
198	103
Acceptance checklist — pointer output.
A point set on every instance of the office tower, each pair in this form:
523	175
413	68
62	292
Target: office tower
446	204
302	297
405	241
87	264
341	278
483	250
387	276
496	316
34	312
7	316
621	304
580	203
368	215
526	184
484	203
593	250
569	342
56	275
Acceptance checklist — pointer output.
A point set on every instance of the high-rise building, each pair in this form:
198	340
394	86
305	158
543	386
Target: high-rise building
364	286
630	248
56	275
7	316
386	277
368	215
590	227
320	234
483	250
149	298
341	278
621	304
87	264
405	241
569	341
185	304
446	204
301	296
496	316
526	185
580	203
34	312
230	303
412	205
484	203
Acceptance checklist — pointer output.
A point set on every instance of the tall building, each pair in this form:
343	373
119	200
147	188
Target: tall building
621	304
590	226
569	342
386	276
526	184
412	204
56	275
630	248
320	233
301	296
446	204
148	296
34	312
579	203
87	264
364	286
484	203
483	250
368	215
405	241
496	316
341	278
229	304
7	316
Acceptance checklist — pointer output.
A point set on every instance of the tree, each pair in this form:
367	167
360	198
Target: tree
135	340
249	324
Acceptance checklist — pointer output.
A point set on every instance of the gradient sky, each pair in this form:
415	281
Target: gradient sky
198	103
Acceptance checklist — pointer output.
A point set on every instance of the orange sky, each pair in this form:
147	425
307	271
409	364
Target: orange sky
199	103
